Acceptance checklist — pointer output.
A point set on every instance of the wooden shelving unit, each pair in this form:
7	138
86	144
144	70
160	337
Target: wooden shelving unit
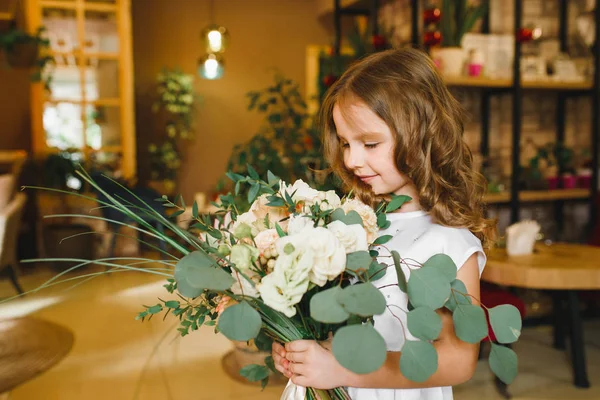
530	196
464	81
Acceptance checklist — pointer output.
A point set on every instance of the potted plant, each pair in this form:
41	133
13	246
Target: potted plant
457	18
23	50
174	109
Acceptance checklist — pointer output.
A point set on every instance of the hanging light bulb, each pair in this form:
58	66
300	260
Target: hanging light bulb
216	38
211	66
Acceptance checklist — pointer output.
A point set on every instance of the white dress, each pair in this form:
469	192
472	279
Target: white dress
414	237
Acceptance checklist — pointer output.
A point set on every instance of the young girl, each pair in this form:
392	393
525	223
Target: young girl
390	125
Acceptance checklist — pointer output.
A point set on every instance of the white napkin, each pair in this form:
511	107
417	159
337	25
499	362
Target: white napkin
520	237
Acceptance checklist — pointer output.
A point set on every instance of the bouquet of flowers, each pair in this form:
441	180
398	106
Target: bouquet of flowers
303	264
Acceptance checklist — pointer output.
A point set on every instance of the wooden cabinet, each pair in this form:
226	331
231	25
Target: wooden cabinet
90	105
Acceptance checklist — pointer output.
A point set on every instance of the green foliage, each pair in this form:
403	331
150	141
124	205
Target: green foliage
174	109
240	322
418	361
503	363
349	219
359	348
424	323
458	18
362	299
470	323
325	307
288	142
506	323
18	44
198	271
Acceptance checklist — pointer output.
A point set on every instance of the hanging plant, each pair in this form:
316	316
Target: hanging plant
25	51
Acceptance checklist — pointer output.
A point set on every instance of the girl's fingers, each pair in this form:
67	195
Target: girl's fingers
296	357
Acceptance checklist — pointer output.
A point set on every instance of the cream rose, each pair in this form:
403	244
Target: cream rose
266	239
297	223
367	214
260	209
352	237
330	255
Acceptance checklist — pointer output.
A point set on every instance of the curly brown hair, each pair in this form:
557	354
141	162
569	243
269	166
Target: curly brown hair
404	89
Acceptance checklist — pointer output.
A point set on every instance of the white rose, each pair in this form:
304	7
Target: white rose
266	239
367	214
300	191
328	254
352	237
241	286
280	294
297	223
295	259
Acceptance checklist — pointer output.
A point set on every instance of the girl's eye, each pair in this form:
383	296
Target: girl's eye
345	145
371	145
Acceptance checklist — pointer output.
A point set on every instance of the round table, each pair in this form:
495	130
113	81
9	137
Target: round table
562	268
28	347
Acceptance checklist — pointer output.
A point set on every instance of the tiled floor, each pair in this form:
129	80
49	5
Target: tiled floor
113	353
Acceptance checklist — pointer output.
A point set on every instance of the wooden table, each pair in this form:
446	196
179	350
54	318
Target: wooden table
562	268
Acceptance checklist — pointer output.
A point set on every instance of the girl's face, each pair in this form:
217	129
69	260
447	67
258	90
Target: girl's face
368	150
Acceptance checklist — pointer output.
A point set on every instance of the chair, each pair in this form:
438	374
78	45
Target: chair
492	296
10	221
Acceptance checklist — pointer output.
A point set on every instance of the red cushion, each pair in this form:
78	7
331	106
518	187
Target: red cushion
492	297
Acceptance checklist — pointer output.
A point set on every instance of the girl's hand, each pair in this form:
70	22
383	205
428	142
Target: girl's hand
313	365
281	363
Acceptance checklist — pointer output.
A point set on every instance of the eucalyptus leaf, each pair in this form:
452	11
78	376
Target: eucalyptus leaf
324	307
418	360
263	342
506	323
397	202
444	264
254	372
470	323
382	239
399	272
457	288
240	322
362	299
358	260
503	363
351	218
424	323
427	287
359	348
197	270
376	270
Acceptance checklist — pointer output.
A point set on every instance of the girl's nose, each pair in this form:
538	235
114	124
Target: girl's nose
354	158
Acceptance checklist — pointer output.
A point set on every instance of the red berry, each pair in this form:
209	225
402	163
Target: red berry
329	80
379	42
432	38
432	16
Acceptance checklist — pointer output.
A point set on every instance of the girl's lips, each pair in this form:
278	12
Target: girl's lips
367	178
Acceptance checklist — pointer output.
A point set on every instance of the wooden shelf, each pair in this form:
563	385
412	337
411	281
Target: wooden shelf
529	196
465	81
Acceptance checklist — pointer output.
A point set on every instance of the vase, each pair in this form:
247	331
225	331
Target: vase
450	60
